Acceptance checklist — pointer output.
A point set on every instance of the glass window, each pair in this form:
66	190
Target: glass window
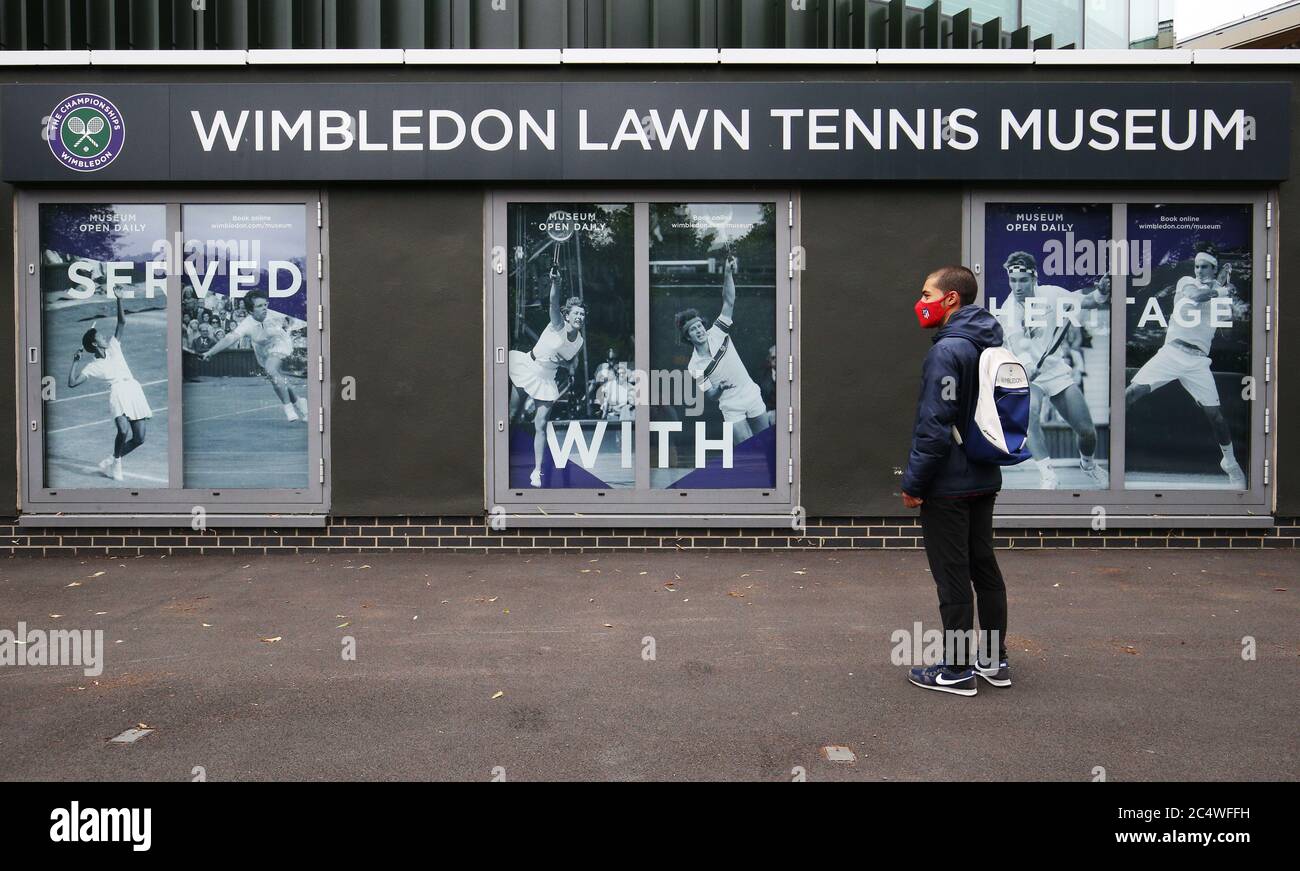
1144	23
175	352
1107	24
1135	320
713	338
572	344
244	336
103	291
1191	383
983	10
641	357
1063	19
1047	282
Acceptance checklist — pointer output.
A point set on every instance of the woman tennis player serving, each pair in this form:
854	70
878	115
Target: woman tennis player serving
126	400
535	373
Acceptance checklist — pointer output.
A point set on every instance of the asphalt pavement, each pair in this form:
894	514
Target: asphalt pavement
1136	665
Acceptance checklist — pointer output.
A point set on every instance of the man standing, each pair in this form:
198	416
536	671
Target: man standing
954	493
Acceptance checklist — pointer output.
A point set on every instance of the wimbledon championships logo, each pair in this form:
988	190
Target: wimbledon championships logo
86	132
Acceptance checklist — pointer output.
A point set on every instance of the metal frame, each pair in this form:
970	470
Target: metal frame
1258	499
172	500
762	506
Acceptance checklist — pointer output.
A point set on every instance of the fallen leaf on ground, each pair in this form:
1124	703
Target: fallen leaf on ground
272	639
498	694
344	625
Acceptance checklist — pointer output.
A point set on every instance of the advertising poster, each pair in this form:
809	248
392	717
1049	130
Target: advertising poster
104	325
571	292
712	383
1188	360
1047	282
244	341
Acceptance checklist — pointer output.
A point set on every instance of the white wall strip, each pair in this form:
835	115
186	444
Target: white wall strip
482	56
44	58
808	56
1111	57
639	56
933	57
143	58
315	56
954	56
1245	56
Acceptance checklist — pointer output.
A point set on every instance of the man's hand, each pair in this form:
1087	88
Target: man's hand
76	356
729	265
910	501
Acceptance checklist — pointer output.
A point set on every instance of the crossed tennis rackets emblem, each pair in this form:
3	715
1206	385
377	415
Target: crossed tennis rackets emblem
86	130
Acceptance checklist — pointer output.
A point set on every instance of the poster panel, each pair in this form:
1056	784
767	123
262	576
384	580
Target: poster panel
1048	283
571	316
104	333
1188	348
244	342
713	377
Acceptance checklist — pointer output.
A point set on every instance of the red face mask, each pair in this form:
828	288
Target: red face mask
929	314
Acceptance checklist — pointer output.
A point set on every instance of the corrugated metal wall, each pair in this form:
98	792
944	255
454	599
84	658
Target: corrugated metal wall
243	24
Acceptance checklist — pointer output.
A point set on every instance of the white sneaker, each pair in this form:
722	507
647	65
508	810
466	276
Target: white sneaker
117	469
535	479
1093	471
1235	475
1046	477
106	467
289	413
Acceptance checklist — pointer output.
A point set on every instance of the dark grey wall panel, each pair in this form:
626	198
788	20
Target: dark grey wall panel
8	359
868	251
406	297
1286	339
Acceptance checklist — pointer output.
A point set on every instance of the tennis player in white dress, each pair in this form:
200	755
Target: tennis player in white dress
535	373
126	400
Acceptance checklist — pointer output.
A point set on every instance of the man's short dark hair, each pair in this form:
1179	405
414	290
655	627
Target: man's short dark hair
957	279
252	297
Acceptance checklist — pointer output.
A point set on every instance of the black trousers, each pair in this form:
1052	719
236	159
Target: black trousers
959	545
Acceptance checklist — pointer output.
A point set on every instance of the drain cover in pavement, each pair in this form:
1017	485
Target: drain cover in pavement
130	736
839	753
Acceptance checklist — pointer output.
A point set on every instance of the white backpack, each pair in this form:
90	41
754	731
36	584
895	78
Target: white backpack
998	432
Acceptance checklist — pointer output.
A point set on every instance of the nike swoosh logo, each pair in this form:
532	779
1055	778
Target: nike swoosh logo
938	678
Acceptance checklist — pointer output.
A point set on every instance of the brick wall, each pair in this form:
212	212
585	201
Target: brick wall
471	534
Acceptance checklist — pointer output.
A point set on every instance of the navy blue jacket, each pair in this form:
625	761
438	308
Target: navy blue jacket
937	465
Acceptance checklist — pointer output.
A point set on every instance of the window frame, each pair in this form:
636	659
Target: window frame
638	505
1116	499
172	501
